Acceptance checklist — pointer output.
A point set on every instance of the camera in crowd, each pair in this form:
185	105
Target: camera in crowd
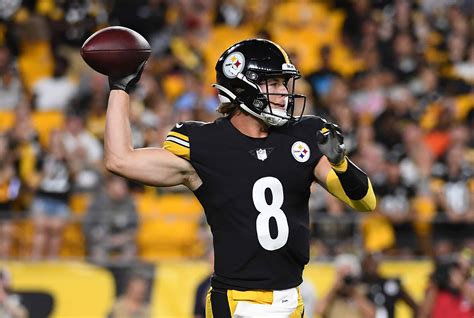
350	280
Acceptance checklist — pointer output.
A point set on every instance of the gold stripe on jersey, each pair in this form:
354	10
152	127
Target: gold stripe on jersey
334	186
178	135
178	144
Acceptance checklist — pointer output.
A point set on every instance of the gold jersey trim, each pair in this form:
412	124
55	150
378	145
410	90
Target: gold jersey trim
177	144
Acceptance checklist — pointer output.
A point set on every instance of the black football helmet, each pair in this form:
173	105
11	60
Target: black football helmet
245	65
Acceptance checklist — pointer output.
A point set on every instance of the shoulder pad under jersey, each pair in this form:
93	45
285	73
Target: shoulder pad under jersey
177	140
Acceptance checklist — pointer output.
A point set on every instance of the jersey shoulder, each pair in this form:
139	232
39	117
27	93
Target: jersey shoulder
308	122
313	120
178	139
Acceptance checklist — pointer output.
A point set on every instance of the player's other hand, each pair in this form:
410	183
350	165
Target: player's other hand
331	143
128	82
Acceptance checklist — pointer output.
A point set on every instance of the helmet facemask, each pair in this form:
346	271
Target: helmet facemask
257	102
276	116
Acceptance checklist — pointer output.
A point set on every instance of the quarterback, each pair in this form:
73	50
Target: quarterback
252	170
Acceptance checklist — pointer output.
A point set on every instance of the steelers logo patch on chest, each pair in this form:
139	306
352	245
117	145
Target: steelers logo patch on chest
300	151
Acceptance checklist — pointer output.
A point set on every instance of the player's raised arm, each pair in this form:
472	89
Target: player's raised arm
121	54
153	166
339	175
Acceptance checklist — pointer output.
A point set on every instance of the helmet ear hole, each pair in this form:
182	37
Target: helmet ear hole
258	104
252	76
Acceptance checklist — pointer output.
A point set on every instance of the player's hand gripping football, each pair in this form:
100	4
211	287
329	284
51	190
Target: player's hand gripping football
331	143
128	82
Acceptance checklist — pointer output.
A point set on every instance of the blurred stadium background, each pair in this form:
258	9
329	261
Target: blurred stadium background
397	76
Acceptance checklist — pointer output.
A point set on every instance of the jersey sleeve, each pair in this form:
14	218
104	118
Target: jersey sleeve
177	141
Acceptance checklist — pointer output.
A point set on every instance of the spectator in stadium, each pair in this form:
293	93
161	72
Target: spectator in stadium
384	292
310	298
11	90
230	13
133	302
346	297
57	92
416	171
322	79
455	199
390	124
196	103
27	149
340	110
333	227
395	202
111	223
449	292
465	69
232	164
369	100
404	61
10	305
416	168
9	191
356	13
84	151
438	129
425	87
50	207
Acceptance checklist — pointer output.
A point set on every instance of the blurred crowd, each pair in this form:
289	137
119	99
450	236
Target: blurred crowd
396	76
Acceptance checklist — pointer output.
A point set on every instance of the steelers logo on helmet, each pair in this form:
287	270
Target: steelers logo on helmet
300	151
233	64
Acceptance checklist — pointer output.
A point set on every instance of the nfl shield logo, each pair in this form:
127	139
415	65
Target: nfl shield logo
261	154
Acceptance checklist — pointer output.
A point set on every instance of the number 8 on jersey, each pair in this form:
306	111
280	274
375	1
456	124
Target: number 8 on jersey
268	211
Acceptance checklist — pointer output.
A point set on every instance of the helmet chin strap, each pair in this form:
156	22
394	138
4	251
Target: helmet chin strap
266	119
278	120
275	116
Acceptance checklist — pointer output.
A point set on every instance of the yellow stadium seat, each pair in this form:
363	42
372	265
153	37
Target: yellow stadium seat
173	86
45	121
430	116
79	203
169	226
307	41
464	104
221	38
305	44
23	238
7	118
73	245
344	62
378	233
298	13
35	62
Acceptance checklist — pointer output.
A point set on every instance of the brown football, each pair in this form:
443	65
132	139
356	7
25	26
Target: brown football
115	51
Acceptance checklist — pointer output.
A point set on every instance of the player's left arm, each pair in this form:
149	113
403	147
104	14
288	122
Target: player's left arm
340	176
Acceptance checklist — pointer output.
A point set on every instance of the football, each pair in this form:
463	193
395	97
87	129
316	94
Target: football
115	51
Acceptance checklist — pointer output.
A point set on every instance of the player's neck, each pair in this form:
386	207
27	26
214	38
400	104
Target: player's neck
249	125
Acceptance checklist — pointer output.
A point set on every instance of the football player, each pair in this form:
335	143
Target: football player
251	169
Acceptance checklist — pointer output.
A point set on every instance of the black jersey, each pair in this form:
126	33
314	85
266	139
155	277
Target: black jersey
255	195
